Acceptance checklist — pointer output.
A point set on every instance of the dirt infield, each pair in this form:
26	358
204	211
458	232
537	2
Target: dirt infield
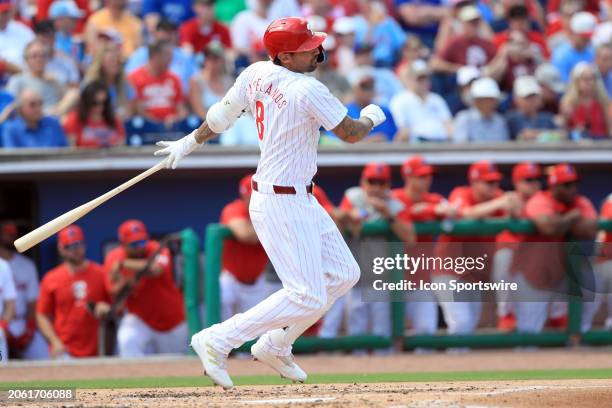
506	393
540	394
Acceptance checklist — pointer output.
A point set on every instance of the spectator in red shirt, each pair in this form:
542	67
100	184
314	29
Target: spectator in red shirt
526	180
158	92
195	34
481	199
154	321
43	6
585	104
93	123
243	258
469	48
63	309
518	20
514	59
540	264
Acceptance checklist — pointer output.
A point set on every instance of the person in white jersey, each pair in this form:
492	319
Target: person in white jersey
303	243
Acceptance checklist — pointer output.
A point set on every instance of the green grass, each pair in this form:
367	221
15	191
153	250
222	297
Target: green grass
200	381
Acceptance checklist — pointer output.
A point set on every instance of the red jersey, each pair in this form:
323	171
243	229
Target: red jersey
64	296
160	95
449	245
460	50
606	214
94	133
421	211
590	116
542	262
155	299
191	33
245	261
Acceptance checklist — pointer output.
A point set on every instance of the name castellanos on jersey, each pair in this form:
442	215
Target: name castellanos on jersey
274	93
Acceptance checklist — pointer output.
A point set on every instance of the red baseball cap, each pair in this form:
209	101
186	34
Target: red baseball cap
9	228
484	170
526	170
132	231
5	5
246	188
379	171
70	235
416	166
561	173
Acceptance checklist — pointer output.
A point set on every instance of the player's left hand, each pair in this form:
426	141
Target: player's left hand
177	150
374	113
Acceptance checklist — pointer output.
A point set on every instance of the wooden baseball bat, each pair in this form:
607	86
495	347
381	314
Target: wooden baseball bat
45	231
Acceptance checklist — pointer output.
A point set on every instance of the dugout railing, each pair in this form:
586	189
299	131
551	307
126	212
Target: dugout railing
215	235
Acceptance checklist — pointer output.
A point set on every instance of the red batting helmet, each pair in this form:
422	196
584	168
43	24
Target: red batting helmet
291	34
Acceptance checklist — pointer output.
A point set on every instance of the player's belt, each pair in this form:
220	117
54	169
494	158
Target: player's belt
283	189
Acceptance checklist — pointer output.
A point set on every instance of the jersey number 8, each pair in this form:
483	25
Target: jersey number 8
259	117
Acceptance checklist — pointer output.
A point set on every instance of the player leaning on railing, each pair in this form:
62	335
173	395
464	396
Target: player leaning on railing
301	240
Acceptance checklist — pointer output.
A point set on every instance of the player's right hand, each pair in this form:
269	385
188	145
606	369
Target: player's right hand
178	149
374	113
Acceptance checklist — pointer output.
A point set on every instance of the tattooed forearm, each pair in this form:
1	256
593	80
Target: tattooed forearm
351	130
203	133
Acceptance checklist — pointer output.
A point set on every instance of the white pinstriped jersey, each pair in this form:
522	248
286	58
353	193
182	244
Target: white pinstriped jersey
289	108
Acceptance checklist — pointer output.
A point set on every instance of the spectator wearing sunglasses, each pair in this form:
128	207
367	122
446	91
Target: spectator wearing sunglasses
30	127
371	201
481	199
559	214
526	178
93	123
155	317
62	310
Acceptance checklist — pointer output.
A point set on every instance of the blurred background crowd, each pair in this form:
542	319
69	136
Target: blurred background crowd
96	74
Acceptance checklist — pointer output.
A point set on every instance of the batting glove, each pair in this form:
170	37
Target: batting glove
374	113
177	150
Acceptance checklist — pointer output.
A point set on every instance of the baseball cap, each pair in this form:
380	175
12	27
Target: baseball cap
583	23
525	170
548	75
468	13
467	74
484	88
419	68
416	166
344	25
360	74
214	48
526	85
484	170
8	228
5	5
64	8
561	173
245	188
132	231
376	170
70	235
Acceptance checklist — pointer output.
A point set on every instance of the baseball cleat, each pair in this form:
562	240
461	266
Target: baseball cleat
284	365
214	362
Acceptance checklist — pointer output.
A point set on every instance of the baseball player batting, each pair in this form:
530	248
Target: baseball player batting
308	252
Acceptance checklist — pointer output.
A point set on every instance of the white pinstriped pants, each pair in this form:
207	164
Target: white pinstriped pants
312	261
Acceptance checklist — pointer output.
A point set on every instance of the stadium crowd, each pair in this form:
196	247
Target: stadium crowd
98	74
134	285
